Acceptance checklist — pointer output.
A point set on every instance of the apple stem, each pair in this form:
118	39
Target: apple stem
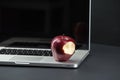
63	36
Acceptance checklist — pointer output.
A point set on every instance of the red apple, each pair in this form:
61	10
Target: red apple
62	47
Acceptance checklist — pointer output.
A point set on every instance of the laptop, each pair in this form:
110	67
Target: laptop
27	28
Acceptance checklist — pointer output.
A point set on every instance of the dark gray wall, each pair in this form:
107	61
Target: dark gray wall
106	21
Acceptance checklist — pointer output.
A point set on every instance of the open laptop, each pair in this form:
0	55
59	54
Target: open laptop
27	28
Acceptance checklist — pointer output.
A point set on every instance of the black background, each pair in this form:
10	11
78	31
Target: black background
106	22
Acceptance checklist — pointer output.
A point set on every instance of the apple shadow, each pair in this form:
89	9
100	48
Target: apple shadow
71	61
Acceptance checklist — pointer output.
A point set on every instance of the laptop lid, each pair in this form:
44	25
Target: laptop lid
46	19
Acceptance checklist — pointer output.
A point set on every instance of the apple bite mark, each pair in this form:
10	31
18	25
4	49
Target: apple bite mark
69	48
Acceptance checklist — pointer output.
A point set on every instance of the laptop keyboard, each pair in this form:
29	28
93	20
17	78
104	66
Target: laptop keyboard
26	52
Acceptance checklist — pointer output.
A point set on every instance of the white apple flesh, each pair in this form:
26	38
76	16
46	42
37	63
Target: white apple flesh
62	47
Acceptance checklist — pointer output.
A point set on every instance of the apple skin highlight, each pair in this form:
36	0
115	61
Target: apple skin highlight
57	47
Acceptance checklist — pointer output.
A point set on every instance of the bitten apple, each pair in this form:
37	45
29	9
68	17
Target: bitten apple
62	47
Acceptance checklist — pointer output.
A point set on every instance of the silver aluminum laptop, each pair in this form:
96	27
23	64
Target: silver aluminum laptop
27	28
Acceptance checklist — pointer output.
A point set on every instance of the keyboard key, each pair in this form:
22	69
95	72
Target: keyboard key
26	52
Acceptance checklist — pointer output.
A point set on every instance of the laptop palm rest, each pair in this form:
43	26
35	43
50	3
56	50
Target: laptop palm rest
25	59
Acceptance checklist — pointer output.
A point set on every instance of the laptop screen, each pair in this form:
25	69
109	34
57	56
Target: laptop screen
45	19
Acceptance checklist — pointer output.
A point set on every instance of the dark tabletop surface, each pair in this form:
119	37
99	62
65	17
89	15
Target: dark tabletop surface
103	63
